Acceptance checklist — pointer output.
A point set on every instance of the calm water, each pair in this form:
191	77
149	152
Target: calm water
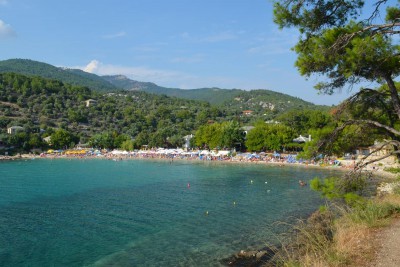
143	213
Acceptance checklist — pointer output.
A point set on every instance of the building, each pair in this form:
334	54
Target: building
90	102
14	129
376	151
247	112
302	139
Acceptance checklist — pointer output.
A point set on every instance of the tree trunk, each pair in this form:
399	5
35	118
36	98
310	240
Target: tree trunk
393	94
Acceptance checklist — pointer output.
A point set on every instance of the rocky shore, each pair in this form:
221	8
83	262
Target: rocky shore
251	258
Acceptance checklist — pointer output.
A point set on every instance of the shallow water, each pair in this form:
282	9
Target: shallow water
144	213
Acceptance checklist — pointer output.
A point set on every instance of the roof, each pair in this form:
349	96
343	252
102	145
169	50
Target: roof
302	139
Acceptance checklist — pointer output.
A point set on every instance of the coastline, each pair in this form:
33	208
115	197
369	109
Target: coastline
243	256
343	166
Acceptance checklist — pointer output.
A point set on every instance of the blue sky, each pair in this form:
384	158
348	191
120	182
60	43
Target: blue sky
173	43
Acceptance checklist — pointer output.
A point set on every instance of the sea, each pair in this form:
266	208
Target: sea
98	212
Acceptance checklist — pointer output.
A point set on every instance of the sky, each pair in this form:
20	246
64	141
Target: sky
184	44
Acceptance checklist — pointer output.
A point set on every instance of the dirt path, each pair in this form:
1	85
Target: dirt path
388	246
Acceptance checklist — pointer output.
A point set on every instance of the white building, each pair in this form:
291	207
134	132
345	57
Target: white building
302	139
14	129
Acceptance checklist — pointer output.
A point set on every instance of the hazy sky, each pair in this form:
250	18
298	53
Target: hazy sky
173	43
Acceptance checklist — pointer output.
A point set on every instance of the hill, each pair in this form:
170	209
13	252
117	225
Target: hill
262	103
71	76
36	103
260	100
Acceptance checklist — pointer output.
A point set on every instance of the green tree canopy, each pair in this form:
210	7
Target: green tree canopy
219	135
346	46
269	137
62	139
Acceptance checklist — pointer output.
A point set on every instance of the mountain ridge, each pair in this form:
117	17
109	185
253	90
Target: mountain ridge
261	100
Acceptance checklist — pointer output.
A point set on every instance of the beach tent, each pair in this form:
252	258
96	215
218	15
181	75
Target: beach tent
276	154
223	153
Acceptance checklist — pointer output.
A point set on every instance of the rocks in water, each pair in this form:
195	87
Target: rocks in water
251	258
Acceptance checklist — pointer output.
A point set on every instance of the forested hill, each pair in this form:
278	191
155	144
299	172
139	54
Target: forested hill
72	76
37	103
234	98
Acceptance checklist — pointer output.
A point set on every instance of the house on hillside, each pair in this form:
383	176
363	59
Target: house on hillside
14	129
247	112
90	102
302	139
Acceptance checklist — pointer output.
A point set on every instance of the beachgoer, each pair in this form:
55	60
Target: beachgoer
302	183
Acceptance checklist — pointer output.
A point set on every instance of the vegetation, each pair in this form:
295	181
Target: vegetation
43	106
271	137
339	236
219	135
347	48
131	119
338	43
71	76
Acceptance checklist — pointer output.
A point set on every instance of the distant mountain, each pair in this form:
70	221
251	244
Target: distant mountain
72	76
211	95
260	100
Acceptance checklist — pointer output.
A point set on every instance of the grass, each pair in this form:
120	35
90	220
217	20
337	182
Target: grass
339	236
392	170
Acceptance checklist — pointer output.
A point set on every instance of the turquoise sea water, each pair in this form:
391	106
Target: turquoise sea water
143	213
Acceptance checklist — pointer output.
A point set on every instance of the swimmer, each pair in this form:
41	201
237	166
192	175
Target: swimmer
302	183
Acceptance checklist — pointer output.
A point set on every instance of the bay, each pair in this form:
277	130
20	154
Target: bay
144	213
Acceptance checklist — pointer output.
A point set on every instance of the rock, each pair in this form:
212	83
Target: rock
260	254
247	254
387	188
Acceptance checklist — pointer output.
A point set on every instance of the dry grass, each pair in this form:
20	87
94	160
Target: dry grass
353	242
347	240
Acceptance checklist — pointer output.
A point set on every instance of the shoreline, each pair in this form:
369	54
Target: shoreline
344	166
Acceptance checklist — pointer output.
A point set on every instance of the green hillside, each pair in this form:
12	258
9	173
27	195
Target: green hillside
72	76
37	103
261	101
264	104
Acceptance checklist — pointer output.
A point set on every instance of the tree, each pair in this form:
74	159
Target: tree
347	49
302	121
63	139
268	137
219	135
